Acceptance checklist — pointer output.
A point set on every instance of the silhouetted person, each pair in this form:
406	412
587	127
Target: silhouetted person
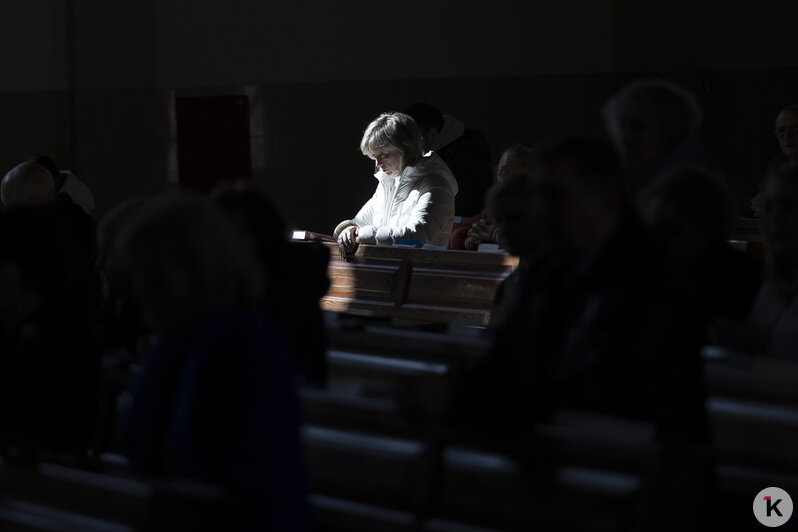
654	124
518	232
465	151
295	273
49	350
481	228
598	327
786	131
123	334
415	193
693	210
27	184
122	326
772	326
215	398
67	183
30	184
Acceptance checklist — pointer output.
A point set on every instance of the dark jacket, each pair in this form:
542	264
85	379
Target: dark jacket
610	338
216	403
299	281
468	157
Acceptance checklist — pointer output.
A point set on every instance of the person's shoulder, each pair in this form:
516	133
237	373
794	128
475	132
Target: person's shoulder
777	161
431	165
472	143
436	174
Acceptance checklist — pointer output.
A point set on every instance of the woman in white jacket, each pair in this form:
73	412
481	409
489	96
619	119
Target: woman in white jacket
414	199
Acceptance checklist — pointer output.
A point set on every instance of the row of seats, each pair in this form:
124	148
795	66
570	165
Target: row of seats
379	459
368	459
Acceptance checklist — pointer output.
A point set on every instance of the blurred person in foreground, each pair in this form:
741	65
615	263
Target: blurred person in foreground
215	398
295	275
598	329
693	211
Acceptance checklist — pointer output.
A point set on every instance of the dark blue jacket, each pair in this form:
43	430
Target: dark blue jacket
217	403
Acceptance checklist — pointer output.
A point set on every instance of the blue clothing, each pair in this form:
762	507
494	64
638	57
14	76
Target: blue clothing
217	403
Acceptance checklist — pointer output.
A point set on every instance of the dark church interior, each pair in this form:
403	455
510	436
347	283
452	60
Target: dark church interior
418	267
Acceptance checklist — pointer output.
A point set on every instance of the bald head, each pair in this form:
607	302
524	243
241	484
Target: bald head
27	184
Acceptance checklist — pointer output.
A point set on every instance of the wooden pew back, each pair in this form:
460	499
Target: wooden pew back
417	284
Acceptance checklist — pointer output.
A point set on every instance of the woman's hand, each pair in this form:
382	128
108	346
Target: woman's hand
347	241
482	230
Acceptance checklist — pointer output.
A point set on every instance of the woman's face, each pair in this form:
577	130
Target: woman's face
389	161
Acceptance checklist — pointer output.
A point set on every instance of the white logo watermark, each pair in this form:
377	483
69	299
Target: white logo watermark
772	507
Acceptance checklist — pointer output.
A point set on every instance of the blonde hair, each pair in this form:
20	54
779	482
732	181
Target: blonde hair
393	131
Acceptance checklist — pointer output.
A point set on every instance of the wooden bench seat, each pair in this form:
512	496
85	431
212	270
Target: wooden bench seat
340	515
370	468
752	406
417	284
53	497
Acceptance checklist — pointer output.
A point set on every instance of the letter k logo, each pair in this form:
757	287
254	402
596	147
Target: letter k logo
772	506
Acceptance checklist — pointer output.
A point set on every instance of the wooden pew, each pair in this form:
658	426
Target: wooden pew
369	467
465	486
416	284
389	362
47	496
753	409
600	472
378	360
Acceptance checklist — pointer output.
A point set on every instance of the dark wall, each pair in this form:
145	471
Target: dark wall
96	86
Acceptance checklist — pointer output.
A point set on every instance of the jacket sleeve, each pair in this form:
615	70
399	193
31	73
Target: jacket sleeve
432	211
364	217
460	233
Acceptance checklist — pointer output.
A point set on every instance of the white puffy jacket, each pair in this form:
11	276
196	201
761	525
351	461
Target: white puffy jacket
420	206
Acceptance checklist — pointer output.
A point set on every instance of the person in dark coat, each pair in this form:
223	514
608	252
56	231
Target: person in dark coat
693	210
598	328
215	399
49	347
464	150
296	273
